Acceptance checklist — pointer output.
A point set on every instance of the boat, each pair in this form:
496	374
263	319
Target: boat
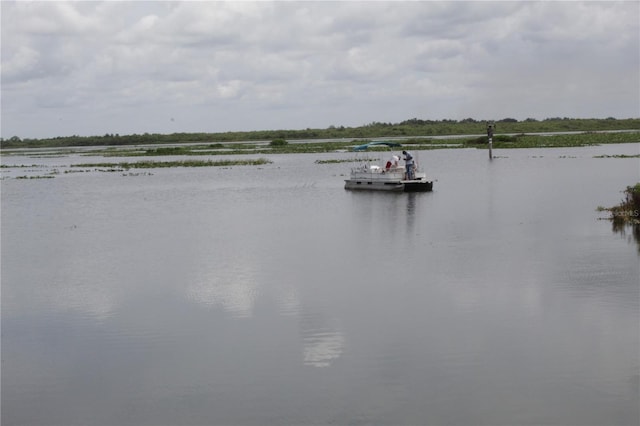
391	177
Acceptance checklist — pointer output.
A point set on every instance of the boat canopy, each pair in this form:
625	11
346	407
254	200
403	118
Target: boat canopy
367	145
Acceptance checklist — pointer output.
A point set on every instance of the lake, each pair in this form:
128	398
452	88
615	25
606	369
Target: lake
269	295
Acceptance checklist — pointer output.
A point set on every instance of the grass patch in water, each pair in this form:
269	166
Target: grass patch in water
336	161
500	141
554	141
628	211
626	214
183	163
617	156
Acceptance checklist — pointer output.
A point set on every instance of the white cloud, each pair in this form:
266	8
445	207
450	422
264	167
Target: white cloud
23	62
84	67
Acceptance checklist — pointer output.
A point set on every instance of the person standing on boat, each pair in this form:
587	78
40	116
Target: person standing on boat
408	161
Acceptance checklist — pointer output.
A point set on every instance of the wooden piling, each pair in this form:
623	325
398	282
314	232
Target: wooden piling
490	128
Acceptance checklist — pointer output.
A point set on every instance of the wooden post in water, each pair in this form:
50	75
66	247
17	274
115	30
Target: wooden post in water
490	128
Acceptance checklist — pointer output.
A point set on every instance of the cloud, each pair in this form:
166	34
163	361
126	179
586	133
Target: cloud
310	64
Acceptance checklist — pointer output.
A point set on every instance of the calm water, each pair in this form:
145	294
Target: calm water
270	295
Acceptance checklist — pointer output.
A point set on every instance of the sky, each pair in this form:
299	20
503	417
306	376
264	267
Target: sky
132	67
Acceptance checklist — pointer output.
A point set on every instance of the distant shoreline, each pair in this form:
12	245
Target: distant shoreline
282	146
406	130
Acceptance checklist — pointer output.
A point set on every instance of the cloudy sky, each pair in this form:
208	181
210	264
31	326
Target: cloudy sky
90	68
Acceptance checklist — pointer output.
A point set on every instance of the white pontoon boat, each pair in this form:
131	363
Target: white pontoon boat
391	177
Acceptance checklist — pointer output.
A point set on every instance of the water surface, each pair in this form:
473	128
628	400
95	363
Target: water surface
270	295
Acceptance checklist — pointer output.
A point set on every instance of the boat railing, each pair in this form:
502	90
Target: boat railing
372	168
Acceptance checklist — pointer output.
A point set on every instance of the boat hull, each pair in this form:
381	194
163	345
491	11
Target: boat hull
395	186
370	185
418	186
374	178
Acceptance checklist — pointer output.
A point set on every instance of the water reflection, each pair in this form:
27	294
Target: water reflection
411	211
288	301
94	302
323	342
399	212
322	338
236	290
356	307
623	228
232	288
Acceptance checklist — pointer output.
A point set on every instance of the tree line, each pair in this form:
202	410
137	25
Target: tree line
413	127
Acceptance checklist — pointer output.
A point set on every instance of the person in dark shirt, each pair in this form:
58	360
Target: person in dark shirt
408	161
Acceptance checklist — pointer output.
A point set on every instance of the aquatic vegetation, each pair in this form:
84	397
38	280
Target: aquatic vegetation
170	150
35	177
138	174
278	142
412	128
344	145
482	140
555	141
16	166
335	161
629	208
183	163
627	213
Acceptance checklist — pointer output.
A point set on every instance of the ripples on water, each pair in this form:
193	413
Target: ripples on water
233	289
271	295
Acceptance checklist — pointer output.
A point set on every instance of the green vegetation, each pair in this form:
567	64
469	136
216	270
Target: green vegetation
555	141
229	149
617	156
185	163
278	142
417	144
15	166
413	128
170	150
35	177
627	213
349	160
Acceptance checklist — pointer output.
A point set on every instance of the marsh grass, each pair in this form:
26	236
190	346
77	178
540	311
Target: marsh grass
629	208
335	161
20	166
617	156
413	143
278	142
266	148
627	213
412	128
182	163
562	141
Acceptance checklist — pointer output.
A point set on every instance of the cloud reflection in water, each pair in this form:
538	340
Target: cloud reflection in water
322	340
322	346
93	301
234	289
